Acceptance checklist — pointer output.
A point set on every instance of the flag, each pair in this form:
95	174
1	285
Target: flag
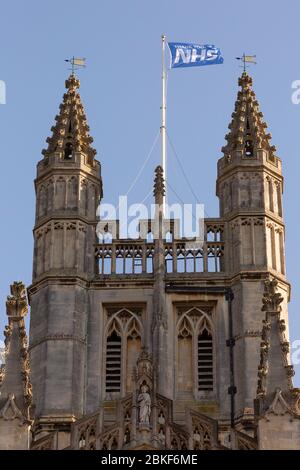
193	55
250	59
77	61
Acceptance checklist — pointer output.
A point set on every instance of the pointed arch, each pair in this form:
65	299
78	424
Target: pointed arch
123	335
204	324
185	355
185	327
195	356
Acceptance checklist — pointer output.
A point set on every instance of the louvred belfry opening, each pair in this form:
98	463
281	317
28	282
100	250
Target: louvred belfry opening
205	361
113	363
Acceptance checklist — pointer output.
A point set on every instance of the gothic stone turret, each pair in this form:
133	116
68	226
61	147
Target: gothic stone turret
68	190
249	187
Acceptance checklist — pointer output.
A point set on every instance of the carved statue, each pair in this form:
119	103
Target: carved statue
144	401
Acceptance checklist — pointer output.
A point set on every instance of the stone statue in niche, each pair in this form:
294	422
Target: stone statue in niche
144	402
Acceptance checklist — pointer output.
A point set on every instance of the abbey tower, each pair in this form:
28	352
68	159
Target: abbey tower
149	342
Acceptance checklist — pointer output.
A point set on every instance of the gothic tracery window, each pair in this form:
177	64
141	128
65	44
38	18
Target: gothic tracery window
195	370
123	345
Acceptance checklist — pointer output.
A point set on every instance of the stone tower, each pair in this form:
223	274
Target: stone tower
250	187
68	189
158	341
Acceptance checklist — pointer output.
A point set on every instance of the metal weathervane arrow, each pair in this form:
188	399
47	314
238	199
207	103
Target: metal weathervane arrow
76	63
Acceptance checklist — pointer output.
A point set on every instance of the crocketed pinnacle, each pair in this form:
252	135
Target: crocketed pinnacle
274	370
159	183
247	128
71	131
15	386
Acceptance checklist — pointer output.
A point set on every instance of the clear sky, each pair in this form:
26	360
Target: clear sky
121	91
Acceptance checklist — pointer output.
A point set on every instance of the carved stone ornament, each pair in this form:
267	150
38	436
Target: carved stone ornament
271	298
144	365
17	307
71	131
247	130
159	185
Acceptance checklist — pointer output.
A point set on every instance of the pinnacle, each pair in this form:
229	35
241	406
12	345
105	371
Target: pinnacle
15	382
159	184
71	132
274	370
247	128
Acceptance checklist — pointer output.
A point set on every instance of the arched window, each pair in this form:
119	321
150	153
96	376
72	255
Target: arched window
249	148
123	346
195	352
248	141
68	151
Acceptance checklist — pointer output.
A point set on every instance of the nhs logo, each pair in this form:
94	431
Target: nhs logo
193	55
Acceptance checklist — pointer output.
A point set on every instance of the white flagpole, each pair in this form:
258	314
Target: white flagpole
163	121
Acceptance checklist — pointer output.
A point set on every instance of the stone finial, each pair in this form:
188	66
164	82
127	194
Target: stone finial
245	81
247	128
159	184
16	304
72	83
71	132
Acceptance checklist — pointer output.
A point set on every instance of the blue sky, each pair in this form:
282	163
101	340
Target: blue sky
121	91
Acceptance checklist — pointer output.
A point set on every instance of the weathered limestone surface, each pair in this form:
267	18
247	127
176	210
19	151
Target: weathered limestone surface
158	342
15	386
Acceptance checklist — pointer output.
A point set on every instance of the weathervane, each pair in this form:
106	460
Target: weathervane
250	59
76	63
